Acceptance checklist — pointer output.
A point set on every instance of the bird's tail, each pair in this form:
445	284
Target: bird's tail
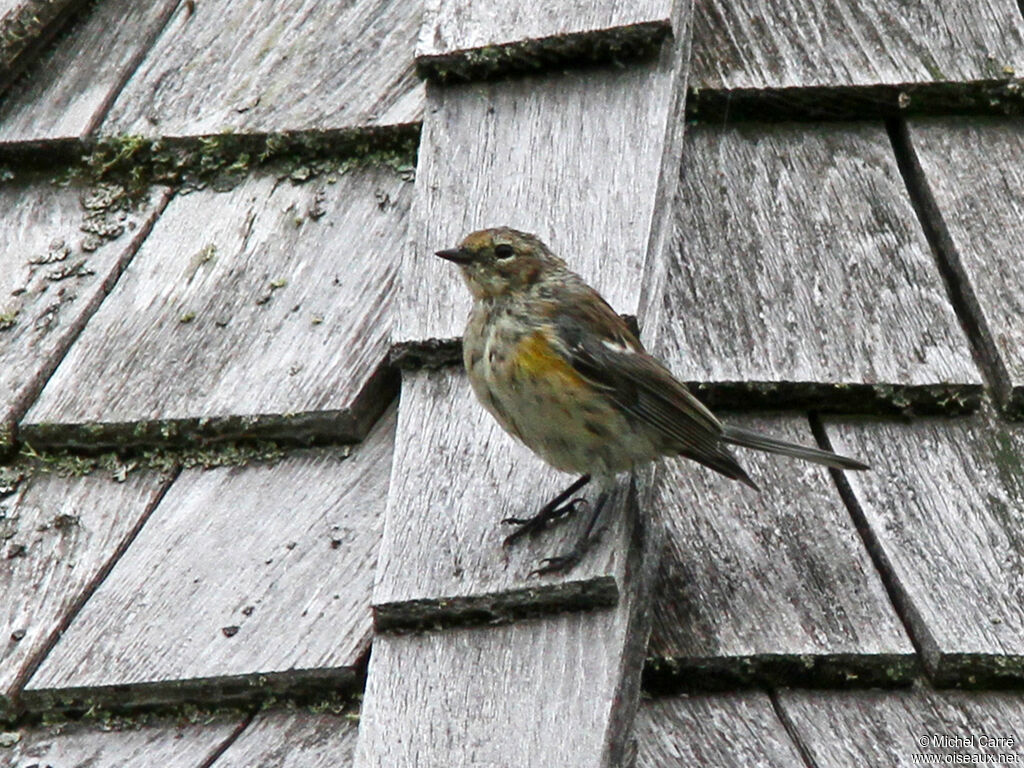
759	442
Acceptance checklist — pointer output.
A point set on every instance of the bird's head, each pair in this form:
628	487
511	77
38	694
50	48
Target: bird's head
502	260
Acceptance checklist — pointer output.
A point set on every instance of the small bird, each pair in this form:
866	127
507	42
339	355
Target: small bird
564	374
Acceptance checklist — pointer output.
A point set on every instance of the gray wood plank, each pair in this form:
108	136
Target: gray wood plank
979	204
68	88
725	729
294	737
943	509
273	66
555	691
455	476
266	309
770	586
93	746
529	153
239	572
58	537
468	38
53	273
25	26
903	728
800	275
765	45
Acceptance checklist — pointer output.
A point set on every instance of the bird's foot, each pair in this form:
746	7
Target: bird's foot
532	525
559	564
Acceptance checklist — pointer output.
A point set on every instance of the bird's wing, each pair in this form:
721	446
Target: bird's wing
601	348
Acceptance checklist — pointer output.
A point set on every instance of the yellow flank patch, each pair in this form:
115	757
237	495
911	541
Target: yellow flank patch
536	358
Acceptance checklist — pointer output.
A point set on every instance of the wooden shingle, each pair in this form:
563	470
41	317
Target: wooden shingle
293	737
761	45
471	39
883	728
240	572
265	309
553	691
61	248
532	154
272	66
69	88
975	190
722	729
456	476
25	26
942	509
800	274
58	538
770	585
87	745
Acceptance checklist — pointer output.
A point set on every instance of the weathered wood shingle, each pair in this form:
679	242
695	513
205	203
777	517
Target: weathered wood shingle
769	585
293	737
61	248
943	509
534	155
272	66
267	308
58	538
727	729
88	746
69	88
883	728
800	273
972	179
239	572
456	476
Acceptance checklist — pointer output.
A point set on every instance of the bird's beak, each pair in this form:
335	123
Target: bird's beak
458	255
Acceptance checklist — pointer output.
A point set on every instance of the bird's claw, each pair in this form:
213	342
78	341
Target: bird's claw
540	521
558	564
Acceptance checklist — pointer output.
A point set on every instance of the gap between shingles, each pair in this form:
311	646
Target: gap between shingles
947	258
101	113
791	730
24	402
90	589
223	747
898	597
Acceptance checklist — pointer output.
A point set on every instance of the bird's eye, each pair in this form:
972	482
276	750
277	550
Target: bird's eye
504	251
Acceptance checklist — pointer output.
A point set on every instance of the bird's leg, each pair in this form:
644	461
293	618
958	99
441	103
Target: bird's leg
554	509
566	561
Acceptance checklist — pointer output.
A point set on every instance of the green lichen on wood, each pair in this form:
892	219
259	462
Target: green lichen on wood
594	47
223	160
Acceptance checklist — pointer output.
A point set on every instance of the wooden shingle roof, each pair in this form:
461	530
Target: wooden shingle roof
250	511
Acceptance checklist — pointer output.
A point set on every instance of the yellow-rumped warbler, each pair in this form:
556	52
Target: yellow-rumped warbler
563	373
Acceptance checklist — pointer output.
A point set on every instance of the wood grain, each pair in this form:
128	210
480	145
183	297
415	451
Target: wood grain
53	275
979	207
239	571
58	537
25	27
271	303
68	88
467	39
751	582
272	66
943	512
800	274
885	728
93	746
455	476
529	153
765	45
293	737
729	729
556	691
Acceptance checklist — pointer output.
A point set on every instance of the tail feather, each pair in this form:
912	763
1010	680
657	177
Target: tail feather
747	439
